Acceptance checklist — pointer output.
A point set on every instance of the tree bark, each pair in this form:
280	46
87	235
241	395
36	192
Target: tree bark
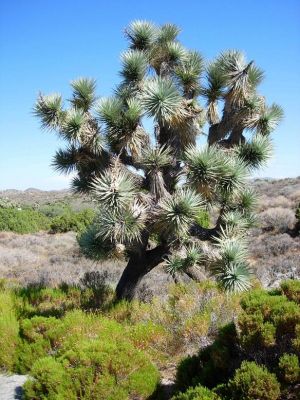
138	266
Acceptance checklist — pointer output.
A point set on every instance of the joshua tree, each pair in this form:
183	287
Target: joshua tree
151	187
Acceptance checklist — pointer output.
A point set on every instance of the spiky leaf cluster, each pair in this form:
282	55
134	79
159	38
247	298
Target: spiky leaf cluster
230	267
136	152
176	213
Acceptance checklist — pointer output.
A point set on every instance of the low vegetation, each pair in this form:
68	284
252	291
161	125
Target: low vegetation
76	342
257	356
55	217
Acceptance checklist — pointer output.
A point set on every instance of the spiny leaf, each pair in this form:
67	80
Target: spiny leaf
255	153
83	93
161	100
114	189
177	212
141	34
49	110
134	65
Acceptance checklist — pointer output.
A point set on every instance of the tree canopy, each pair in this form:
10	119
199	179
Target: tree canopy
151	186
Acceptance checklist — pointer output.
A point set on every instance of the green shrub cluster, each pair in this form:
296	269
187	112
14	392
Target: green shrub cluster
58	219
23	220
197	393
252	382
54	209
291	289
71	221
36	300
289	368
71	353
267	319
9	331
267	331
91	358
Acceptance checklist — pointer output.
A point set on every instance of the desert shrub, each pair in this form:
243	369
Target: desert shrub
45	301
266	316
298	212
267	246
277	219
50	381
9	331
95	355
289	368
72	221
252	382
7	203
38	339
197	393
54	209
296	340
291	289
96	292
267	327
22	221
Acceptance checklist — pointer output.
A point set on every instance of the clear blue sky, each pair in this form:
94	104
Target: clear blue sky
45	44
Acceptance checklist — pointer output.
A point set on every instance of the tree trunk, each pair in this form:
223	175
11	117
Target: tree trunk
133	273
138	266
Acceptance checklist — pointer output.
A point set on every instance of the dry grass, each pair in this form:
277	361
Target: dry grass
53	259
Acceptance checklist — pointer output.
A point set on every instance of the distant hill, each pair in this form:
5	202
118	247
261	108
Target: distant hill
265	187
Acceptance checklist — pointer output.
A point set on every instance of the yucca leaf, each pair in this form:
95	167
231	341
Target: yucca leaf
269	119
177	212
134	65
94	246
109	111
65	161
124	226
73	125
255	153
161	100
49	110
83	93
114	189
141	34
235	277
168	33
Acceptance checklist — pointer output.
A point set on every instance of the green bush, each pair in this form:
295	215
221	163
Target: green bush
197	393
22	221
265	317
252	382
267	320
72	221
92	353
55	209
38	300
291	289
9	331
296	340
51	381
289	368
39	338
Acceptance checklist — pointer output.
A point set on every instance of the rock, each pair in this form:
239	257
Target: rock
11	386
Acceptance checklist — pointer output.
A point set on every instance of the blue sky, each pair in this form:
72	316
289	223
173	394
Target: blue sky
46	44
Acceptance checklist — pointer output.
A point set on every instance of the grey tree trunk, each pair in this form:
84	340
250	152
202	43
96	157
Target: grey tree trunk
138	266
